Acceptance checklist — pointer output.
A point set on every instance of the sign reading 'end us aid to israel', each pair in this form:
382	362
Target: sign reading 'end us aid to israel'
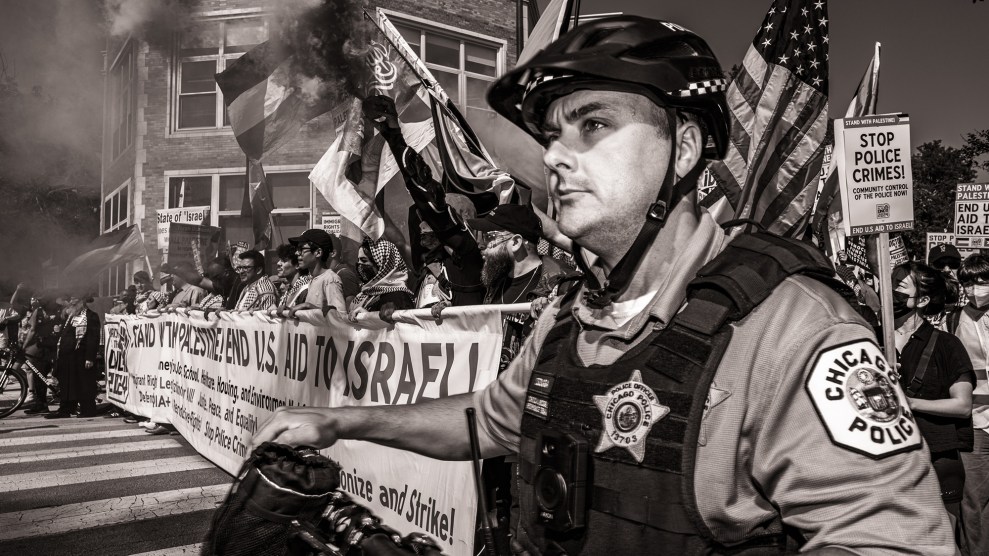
874	173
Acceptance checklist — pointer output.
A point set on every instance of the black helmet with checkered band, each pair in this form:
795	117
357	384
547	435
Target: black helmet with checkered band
661	60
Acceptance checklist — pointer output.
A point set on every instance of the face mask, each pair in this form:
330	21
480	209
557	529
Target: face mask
978	295
901	306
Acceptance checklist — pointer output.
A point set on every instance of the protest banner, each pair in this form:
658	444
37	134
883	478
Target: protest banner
876	183
972	214
331	224
193	243
222	378
184	215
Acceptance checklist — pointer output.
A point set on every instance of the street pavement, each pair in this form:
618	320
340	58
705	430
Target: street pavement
99	486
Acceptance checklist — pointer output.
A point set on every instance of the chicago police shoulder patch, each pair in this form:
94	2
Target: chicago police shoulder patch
861	406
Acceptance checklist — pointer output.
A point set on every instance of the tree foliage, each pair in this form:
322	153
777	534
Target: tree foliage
937	169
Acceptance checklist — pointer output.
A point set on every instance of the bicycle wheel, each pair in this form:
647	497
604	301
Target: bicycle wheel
13	390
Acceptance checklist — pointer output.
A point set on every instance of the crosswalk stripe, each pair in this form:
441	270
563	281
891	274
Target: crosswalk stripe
7	433
175	550
65	453
113	511
51	439
46	479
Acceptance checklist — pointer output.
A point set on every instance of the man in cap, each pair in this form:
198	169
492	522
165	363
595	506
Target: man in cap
650	416
946	258
514	271
314	248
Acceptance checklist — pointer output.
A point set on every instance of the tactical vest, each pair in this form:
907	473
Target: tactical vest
640	493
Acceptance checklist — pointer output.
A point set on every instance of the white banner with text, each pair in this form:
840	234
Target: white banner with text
218	380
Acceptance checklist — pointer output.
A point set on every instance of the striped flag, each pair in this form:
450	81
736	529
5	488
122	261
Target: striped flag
116	247
779	106
265	105
258	204
358	174
512	149
827	215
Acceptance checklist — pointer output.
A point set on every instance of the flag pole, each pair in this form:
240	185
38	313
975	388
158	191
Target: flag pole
886	299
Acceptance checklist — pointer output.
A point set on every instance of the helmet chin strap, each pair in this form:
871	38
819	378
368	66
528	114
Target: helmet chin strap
597	295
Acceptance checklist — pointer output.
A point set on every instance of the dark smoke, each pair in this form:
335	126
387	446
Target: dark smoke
328	43
51	99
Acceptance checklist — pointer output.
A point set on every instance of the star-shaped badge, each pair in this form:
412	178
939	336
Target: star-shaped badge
629	410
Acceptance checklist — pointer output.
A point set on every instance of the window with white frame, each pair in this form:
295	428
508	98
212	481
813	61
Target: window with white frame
224	194
204	50
121	126
116	208
113	281
464	65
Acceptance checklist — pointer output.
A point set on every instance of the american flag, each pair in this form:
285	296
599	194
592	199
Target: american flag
779	109
828	211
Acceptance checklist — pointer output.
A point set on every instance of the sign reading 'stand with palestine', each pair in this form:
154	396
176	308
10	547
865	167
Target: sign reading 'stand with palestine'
873	164
972	214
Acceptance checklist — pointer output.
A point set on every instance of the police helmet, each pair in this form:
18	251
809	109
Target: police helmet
670	65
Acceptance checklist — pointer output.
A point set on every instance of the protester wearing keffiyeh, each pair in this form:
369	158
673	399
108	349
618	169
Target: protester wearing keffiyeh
384	276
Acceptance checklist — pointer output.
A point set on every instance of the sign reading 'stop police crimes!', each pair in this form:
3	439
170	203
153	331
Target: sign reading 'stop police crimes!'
874	173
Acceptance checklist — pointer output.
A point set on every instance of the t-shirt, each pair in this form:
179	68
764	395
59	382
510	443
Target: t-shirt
326	289
348	278
949	364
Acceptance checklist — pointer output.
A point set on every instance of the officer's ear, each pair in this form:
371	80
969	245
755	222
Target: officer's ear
690	145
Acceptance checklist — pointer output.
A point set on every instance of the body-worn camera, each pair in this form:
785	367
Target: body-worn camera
560	483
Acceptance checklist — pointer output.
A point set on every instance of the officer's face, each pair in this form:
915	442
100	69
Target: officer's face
606	157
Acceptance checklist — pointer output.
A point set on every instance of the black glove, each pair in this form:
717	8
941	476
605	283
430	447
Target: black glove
381	110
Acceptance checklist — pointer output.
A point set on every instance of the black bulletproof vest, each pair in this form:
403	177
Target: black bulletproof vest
633	506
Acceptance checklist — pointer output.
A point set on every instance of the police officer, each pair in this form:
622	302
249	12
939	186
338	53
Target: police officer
758	417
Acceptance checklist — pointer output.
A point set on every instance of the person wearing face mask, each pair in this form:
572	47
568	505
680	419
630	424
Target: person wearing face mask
383	276
971	325
936	375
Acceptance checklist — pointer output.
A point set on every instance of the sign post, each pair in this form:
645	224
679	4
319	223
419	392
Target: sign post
873	164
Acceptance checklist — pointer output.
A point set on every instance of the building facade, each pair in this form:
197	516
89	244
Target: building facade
167	141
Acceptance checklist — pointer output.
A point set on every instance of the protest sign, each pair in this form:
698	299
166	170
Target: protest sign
873	164
331	224
186	215
223	378
116	373
195	244
972	214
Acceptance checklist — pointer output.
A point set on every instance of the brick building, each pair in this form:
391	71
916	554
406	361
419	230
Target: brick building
165	128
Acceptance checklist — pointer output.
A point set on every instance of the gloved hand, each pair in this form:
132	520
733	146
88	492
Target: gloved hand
381	110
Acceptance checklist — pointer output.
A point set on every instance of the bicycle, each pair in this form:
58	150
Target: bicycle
13	380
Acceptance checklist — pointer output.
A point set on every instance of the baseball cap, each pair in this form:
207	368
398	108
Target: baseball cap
317	237
517	219
944	254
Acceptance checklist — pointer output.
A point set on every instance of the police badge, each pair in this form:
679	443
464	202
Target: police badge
629	410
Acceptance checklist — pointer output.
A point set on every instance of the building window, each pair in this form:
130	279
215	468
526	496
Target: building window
113	280
224	194
116	209
121	126
464	66
205	50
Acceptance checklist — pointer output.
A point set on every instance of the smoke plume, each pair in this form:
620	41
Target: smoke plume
327	41
152	20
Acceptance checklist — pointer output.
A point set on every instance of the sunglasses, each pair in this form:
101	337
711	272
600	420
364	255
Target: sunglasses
494	239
